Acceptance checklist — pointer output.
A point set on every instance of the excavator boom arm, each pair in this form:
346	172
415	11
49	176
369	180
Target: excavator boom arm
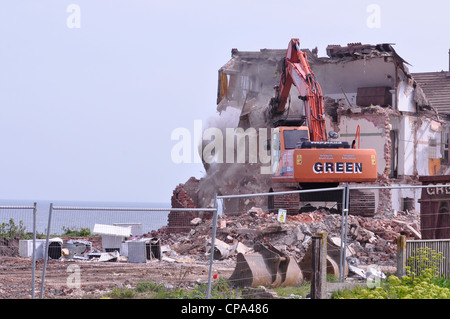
297	72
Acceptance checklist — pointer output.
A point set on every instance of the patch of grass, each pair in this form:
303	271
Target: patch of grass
149	286
122	293
332	278
443	282
294	292
152	290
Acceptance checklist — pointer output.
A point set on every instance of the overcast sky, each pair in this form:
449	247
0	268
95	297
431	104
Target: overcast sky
91	90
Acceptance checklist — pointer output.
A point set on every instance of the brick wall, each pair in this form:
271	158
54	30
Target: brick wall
185	196
380	118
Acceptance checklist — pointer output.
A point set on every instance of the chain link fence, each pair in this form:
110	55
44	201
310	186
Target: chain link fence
135	236
362	235
260	247
16	222
274	249
92	250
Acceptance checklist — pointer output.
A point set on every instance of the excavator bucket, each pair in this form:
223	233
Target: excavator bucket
266	266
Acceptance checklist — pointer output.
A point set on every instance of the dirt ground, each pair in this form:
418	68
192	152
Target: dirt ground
97	278
71	279
370	241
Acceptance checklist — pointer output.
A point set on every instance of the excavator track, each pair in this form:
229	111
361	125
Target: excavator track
362	203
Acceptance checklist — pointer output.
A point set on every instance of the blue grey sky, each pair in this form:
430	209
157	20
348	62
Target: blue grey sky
89	97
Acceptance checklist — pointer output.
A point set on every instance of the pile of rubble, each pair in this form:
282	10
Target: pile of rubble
371	240
9	247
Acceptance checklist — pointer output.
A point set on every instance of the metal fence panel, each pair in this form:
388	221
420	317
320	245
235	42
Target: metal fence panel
260	262
18	222
116	229
292	233
373	247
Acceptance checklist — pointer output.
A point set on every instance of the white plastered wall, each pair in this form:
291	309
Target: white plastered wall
372	136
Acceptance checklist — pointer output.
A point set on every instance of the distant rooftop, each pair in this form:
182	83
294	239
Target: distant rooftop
436	86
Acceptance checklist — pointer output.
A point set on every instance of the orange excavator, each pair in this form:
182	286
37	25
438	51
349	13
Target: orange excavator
303	155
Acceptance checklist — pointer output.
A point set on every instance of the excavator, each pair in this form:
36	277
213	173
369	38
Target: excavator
304	156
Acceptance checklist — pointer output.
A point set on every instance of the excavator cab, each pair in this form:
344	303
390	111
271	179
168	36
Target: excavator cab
295	158
299	163
284	140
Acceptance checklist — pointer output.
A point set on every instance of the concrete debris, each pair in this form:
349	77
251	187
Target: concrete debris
222	250
371	273
109	256
371	240
195	221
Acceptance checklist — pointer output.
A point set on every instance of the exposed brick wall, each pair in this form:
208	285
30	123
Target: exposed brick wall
290	202
382	120
185	196
380	117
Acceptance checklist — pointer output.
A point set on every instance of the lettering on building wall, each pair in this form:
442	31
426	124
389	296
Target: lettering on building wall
440	189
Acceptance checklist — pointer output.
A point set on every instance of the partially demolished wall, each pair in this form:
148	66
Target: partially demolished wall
185	196
245	86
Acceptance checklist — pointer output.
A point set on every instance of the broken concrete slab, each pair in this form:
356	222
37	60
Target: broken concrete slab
370	273
222	250
104	256
196	221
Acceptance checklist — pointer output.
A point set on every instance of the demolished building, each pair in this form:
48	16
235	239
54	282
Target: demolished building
364	85
436	87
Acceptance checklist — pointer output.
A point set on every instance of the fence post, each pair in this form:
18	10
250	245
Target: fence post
401	256
211	254
343	252
319	266
44	268
33	270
